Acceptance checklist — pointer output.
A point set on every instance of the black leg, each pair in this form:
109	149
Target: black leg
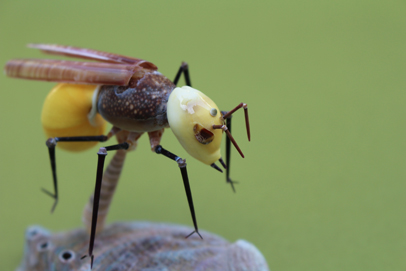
228	153
96	198
51	150
99	174
51	143
184	67
182	165
228	156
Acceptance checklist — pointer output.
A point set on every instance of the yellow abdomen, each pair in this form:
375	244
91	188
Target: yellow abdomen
65	113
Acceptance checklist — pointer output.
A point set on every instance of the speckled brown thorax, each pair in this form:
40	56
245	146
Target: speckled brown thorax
138	109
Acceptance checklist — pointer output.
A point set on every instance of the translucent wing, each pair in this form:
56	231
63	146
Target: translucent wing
112	70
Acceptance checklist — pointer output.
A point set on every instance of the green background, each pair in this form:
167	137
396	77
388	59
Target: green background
322	186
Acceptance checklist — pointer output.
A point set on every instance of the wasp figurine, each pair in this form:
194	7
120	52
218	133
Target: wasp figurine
135	98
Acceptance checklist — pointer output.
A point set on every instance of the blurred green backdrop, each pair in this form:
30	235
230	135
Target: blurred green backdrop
322	186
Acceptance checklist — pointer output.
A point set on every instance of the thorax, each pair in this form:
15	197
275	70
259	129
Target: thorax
141	108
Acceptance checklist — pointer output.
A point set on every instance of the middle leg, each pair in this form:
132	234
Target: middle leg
130	143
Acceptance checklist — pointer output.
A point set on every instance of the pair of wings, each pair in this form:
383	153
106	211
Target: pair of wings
111	69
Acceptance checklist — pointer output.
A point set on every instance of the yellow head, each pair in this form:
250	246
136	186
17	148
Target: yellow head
191	116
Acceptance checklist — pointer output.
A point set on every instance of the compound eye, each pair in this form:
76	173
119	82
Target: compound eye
213	112
203	135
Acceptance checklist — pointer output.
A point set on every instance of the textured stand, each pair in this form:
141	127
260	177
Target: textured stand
138	246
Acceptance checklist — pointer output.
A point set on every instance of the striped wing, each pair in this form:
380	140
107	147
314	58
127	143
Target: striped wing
112	69
89	54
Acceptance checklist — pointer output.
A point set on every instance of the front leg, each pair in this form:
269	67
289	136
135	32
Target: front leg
182	165
227	165
227	117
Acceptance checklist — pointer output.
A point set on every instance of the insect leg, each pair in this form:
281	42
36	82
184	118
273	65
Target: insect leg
182	165
228	153
227	116
110	180
51	143
99	174
184	67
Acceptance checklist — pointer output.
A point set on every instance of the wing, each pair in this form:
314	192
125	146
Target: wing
70	51
117	70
